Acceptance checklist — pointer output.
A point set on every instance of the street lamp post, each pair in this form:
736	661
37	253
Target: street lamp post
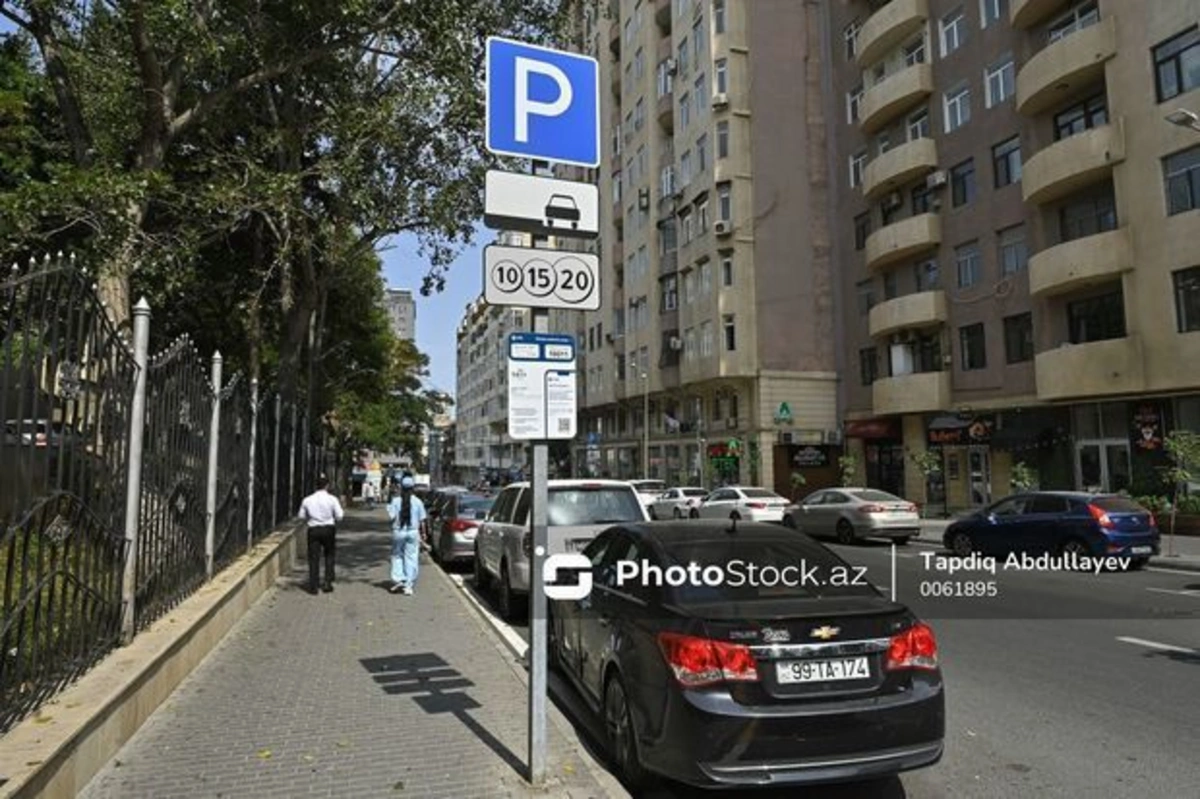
1185	119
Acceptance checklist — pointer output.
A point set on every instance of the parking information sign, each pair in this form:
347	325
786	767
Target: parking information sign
540	205
542	396
542	103
534	278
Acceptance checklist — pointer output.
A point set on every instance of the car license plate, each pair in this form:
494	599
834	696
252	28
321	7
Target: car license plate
790	672
1141	550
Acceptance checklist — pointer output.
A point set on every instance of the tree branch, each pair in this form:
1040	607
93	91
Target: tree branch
14	18
152	144
41	27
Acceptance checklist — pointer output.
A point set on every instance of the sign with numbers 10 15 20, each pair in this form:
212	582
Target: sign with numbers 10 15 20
536	278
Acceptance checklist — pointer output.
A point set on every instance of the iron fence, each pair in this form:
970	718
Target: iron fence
126	479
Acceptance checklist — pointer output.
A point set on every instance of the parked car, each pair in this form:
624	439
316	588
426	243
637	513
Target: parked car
711	684
577	511
676	503
1061	522
741	502
648	491
853	513
458	520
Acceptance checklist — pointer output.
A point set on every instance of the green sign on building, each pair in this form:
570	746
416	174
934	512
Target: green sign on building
784	414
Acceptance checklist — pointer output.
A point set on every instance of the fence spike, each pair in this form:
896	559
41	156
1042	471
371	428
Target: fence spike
46	259
33	262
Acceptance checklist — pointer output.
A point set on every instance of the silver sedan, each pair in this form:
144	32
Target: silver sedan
849	514
676	503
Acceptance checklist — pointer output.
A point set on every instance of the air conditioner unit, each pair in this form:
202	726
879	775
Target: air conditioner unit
672	67
935	180
675	343
722	228
720	100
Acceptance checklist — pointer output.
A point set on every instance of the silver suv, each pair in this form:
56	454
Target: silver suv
578	511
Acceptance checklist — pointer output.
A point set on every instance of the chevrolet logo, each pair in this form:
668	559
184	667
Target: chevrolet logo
825	633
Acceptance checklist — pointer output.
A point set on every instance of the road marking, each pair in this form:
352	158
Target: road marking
1156	645
1179	591
514	642
1170	571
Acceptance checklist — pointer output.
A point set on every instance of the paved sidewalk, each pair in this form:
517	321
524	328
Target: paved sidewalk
357	693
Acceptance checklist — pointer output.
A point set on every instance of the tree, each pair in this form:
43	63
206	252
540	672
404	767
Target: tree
928	462
848	464
1183	448
1023	477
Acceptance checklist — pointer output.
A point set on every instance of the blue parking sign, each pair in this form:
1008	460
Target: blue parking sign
542	103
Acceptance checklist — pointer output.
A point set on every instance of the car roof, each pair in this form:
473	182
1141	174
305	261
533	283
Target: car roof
667	533
576	483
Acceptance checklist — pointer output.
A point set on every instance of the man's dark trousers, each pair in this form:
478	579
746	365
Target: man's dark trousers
320	540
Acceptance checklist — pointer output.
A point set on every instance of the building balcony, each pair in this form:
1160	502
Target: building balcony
1097	368
668	262
898	166
920	392
1065	66
894	95
1025	14
902	239
910	312
1073	163
665	110
888	28
614	36
662	15
1082	262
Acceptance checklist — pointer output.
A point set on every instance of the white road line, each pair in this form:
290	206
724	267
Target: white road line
1156	645
1170	571
513	641
1179	591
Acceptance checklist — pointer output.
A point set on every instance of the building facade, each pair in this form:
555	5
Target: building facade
711	359
1016	241
402	313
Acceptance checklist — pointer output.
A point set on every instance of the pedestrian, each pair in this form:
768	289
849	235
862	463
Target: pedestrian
322	511
407	514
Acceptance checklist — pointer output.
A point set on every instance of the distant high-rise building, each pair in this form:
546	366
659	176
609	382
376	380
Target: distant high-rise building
402	313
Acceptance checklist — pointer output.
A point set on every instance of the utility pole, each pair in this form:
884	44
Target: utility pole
645	423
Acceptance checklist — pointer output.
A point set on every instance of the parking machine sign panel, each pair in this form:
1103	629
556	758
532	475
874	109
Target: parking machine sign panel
542	398
542	103
533	278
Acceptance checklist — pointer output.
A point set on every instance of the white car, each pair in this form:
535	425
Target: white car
648	491
677	503
742	503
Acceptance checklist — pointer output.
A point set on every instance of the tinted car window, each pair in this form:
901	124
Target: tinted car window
836	498
739	553
595	550
695	492
1118	505
600	505
814	499
1047	504
502	511
1013	506
476	508
876	496
521	515
759	493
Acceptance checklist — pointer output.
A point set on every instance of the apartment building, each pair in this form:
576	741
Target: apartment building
1017	241
712	356
402	313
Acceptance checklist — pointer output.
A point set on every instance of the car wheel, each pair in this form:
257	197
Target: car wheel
960	544
694	514
1074	546
481	575
509	602
678	513
789	522
845	532
622	741
901	540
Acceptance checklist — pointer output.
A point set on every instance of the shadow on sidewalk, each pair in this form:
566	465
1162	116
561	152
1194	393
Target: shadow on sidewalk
436	688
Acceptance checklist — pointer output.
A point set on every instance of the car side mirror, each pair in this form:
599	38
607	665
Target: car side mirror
991	517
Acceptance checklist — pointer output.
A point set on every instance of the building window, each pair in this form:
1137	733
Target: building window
718	13
973	347
865	292
1085	115
883	143
1083	15
1006	161
868	365
1181	172
966	263
858	162
1087	217
890	287
850	37
730	332
701	92
1096	318
1013	252
685	109
956	108
689	287
639	114
670	293
702	153
723	139
962	183
702	216
1187	299
688	229
726	271
689	344
1000	82
915	53
698	40
918	125
1018	338
922	199
685	168
862	229
706	283
927	275
853	104
721	75
1177	64
682	60
706	339
992	11
724	202
954	31
663	79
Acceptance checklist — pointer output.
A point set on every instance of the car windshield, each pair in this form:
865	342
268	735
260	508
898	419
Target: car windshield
760	493
695	492
869	495
766	558
1118	505
571	506
475	506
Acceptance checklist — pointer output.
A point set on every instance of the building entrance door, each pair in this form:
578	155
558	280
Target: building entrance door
1102	465
979	465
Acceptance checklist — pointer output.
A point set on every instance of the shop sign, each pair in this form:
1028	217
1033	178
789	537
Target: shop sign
810	457
972	432
1147	426
784	414
872	428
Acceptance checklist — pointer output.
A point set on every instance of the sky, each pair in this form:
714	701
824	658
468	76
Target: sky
437	315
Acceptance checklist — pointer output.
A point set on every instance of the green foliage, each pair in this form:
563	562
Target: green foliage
927	461
848	466
1023	477
1183	448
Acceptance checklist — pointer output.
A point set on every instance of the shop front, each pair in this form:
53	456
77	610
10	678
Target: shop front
724	462
800	469
882	451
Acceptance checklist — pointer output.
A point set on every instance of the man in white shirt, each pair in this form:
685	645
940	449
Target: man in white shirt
322	511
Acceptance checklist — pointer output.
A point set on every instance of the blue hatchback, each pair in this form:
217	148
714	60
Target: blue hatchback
1061	522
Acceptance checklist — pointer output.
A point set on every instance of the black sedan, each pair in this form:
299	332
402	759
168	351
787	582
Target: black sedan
746	654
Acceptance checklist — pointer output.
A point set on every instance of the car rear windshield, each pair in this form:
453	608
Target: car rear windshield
1118	505
695	492
476	504
760	493
875	496
601	505
757	570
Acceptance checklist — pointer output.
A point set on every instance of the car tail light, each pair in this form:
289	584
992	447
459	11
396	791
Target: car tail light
756	505
462	525
873	509
527	545
701	661
915	648
1153	520
910	508
1101	517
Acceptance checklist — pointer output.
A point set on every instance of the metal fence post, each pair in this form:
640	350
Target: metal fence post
292	464
275	462
250	471
214	435
133	484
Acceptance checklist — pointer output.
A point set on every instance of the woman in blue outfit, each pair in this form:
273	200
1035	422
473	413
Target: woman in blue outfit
407	514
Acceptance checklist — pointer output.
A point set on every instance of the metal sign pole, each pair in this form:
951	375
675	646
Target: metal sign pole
537	597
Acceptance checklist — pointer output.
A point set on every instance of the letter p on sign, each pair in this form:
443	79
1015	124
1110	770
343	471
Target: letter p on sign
542	104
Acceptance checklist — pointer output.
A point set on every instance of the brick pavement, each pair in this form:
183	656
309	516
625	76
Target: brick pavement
356	693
